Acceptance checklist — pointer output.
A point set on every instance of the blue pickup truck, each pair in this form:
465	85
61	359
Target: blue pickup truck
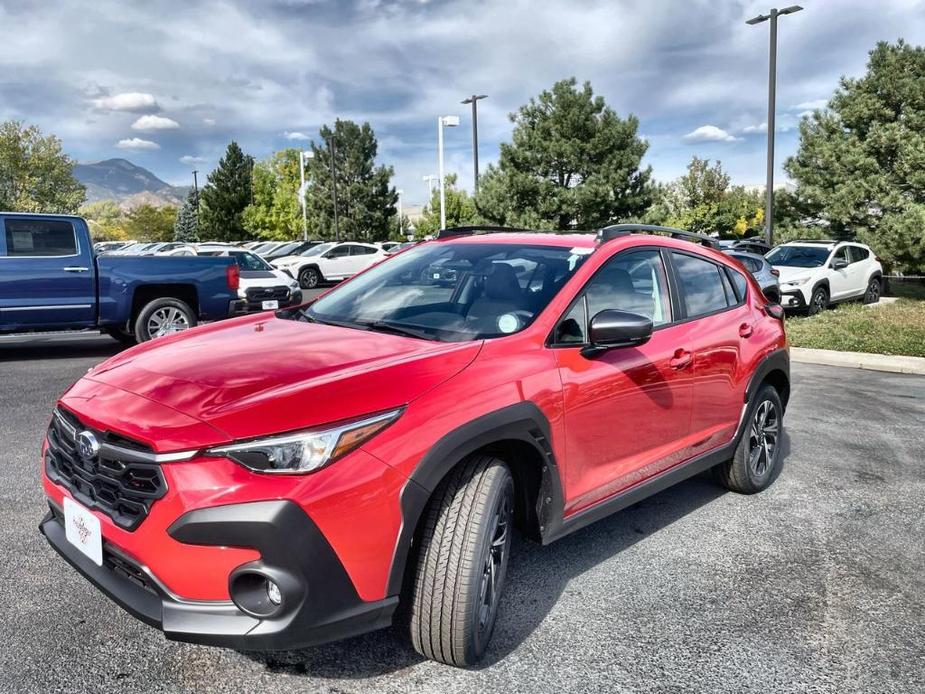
50	279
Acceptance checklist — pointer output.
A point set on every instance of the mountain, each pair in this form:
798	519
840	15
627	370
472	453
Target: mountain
127	183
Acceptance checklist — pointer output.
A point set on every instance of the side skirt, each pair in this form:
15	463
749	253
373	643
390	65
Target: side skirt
641	491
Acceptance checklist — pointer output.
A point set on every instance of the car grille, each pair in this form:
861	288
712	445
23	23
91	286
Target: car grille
267	293
123	489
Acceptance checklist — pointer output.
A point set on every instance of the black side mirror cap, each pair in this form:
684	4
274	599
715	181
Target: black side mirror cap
611	329
839	264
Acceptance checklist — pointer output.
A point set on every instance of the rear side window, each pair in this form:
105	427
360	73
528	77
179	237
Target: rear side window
361	250
40	237
739	283
703	285
857	254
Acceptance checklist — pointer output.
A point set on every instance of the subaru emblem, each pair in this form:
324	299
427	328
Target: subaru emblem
87	445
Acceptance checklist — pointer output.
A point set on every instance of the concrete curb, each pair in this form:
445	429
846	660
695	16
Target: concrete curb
859	360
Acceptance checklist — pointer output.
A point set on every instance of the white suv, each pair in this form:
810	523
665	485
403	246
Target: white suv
814	274
330	262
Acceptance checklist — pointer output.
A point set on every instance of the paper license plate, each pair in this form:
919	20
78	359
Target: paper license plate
82	530
270	304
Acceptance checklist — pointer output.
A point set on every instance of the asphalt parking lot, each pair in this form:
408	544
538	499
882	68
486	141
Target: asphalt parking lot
815	585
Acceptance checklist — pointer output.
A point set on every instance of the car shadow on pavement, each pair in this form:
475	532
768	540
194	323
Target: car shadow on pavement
31	348
537	578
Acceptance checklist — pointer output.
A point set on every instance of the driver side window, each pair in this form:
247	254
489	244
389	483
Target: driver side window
634	282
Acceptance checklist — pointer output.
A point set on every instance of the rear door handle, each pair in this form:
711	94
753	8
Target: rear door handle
76	268
681	359
745	330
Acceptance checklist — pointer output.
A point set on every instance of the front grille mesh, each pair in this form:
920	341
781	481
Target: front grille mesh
122	489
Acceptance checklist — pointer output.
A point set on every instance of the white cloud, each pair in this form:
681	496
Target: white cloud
155	123
190	159
137	143
709	133
810	105
208	121
128	101
296	136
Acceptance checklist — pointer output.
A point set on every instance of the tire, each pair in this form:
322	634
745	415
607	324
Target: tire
872	295
819	301
121	335
309	278
173	315
464	544
757	458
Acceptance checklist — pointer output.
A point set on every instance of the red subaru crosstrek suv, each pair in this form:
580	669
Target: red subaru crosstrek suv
289	478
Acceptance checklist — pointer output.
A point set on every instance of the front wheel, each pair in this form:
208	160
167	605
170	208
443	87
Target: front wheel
163	317
309	278
463	556
818	302
872	295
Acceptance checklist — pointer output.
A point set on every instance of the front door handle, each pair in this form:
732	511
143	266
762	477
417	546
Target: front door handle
76	268
745	330
681	359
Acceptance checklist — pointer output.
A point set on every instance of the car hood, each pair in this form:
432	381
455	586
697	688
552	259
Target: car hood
265	278
287	260
262	374
790	274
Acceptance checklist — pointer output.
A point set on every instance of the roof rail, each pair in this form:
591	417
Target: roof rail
617	230
826	241
454	232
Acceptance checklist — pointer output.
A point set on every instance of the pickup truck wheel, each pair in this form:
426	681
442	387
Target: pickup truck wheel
757	457
872	295
463	555
121	335
163	317
309	278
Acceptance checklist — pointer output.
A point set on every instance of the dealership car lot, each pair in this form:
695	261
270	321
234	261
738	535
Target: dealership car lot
815	584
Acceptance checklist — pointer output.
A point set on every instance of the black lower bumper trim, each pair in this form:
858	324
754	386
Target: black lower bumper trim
792	300
319	605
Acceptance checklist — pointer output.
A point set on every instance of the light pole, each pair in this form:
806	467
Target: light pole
303	155
474	100
772	94
333	148
401	228
443	122
429	179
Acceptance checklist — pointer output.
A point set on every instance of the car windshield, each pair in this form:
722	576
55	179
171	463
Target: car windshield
248	261
316	250
798	256
451	292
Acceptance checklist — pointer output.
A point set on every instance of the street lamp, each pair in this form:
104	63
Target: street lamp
303	155
443	122
401	228
772	89
429	179
474	100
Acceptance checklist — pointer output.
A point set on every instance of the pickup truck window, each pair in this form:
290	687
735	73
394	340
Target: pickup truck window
40	237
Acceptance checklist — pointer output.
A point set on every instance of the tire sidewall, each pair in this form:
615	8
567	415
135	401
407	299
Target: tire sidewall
141	322
760	482
872	293
307	273
813	308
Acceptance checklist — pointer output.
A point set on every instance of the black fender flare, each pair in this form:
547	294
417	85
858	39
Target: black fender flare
523	421
775	361
821	283
314	266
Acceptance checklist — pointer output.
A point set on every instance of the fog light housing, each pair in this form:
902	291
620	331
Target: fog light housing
273	593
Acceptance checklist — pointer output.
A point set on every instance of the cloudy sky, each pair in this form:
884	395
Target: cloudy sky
168	83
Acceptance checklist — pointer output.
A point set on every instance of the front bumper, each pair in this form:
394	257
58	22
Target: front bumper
245	306
793	299
319	601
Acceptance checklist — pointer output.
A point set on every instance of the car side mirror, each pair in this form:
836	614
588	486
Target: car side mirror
612	328
839	264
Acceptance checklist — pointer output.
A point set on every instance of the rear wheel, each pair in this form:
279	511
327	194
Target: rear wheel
459	575
163	317
818	302
757	457
872	295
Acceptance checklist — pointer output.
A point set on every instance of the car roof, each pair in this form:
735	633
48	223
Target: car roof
528	238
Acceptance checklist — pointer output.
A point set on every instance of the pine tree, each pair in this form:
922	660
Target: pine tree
225	197
186	228
572	163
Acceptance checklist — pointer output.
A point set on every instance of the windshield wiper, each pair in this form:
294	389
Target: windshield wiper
397	329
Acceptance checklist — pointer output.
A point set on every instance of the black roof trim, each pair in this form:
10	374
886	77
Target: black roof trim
615	231
455	232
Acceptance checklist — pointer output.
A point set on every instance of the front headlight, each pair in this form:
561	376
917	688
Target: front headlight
797	282
305	451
